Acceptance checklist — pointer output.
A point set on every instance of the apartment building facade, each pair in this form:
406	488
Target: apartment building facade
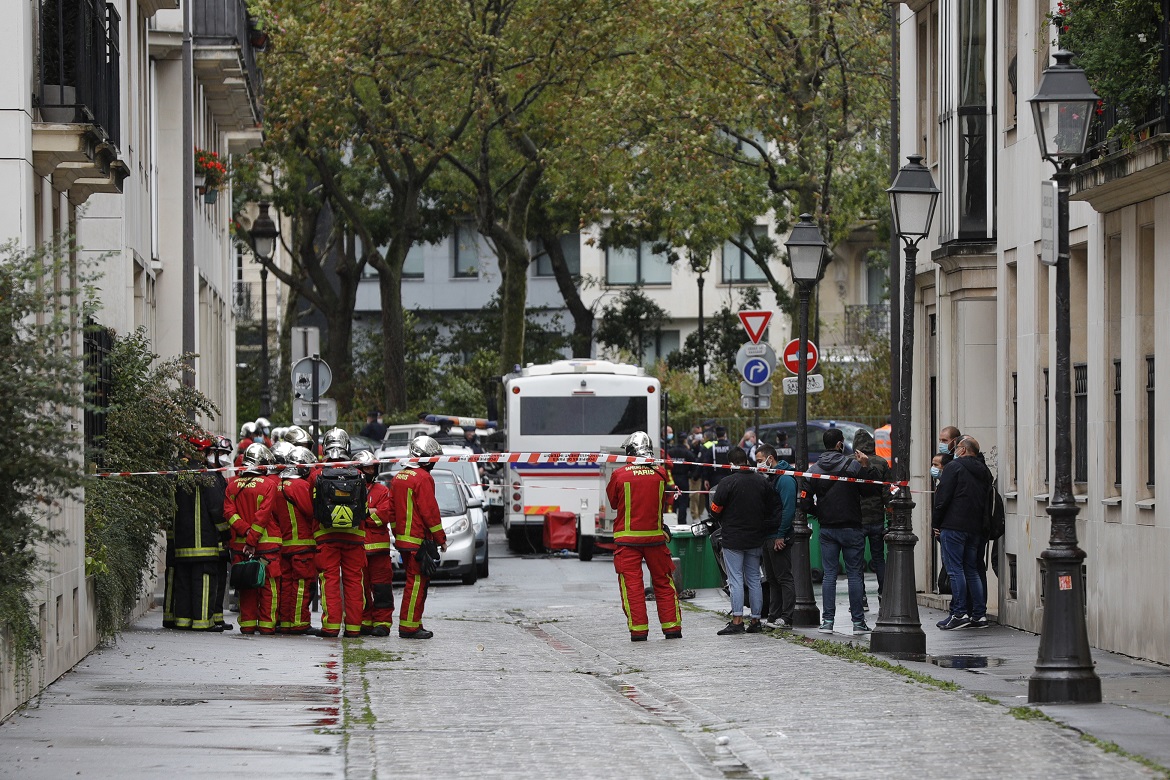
985	360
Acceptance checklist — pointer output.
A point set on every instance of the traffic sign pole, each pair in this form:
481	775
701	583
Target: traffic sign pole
316	421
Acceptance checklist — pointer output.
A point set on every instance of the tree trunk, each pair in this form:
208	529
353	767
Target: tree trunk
513	302
393	327
582	315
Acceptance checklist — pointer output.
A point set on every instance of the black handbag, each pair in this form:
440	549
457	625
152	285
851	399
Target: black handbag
427	556
249	574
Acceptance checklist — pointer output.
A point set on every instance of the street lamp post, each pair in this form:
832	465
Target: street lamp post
1062	109
913	197
807	256
264	235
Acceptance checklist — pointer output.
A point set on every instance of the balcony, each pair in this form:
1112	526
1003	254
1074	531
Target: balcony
866	318
225	41
242	305
78	98
1129	145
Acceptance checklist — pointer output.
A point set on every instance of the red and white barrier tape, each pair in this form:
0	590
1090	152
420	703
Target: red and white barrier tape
572	458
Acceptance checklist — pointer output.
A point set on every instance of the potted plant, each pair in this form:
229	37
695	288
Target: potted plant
210	172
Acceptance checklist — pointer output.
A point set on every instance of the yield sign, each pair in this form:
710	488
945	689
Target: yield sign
755	322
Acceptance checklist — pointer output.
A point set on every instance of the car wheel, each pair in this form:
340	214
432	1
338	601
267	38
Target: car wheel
585	547
482	568
472	576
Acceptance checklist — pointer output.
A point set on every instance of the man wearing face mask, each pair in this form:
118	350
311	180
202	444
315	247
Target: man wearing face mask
946	440
957	521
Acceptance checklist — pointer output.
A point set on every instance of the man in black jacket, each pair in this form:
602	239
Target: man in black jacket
838	507
748	511
680	472
959	508
717	453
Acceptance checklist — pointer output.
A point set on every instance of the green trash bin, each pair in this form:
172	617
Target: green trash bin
699	567
814	553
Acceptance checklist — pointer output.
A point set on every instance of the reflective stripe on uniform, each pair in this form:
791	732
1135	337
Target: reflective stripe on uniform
197	552
626	606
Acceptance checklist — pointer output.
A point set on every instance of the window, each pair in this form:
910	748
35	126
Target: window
1010	58
570	246
738	266
639	265
1117	423
1015	473
99	379
414	266
1081	422
659	346
1150	449
582	415
466	249
928	65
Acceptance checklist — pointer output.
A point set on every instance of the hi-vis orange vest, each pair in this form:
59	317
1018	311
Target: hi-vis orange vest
882	445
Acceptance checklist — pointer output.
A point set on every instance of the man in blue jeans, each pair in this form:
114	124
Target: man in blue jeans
959	504
838	507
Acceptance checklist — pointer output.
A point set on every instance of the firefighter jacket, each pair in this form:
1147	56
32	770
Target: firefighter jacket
295	514
380	520
415	509
250	508
198	514
637	493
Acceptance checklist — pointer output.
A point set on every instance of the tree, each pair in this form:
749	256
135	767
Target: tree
629	324
723	337
42	379
371	86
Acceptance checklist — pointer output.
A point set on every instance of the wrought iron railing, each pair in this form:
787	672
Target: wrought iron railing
866	318
77	76
226	23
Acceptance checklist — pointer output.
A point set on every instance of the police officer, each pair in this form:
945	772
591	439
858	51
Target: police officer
416	520
636	492
714	454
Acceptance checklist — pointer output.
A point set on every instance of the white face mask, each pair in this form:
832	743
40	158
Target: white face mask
223	460
935	471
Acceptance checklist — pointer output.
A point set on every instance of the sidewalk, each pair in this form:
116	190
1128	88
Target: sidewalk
184	705
996	662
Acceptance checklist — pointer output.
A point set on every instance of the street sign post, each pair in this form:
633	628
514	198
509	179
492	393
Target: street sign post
305	341
1049	238
814	383
748	351
303	411
790	356
755	323
302	377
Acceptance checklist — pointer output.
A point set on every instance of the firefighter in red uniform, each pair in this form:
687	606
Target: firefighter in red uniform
299	547
416	519
341	553
378	618
198	509
637	491
250	508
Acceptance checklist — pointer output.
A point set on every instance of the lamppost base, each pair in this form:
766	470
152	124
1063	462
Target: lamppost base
1064	686
805	612
899	630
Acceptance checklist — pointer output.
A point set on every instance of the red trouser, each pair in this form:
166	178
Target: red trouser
414	595
627	560
298	571
342	589
258	606
379	591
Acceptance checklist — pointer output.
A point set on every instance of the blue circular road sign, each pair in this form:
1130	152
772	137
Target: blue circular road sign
757	371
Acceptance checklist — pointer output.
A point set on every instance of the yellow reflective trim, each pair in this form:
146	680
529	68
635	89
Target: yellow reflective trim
374	546
198	518
405	621
405	538
436	528
300	543
626	488
197	552
623	534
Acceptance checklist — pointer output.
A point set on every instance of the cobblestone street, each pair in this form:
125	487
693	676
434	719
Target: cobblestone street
531	673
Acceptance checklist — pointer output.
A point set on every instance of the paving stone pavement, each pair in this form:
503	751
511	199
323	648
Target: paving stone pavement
531	674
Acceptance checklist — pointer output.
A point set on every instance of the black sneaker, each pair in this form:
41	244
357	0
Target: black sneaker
379	631
755	627
978	623
731	628
422	633
638	637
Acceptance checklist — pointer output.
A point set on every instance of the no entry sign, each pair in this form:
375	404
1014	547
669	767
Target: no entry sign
789	356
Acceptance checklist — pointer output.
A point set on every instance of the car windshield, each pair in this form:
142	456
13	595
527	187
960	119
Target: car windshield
448	493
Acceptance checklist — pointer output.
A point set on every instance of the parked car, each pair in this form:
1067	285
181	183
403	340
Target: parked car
459	559
467	471
479	523
770	434
357	443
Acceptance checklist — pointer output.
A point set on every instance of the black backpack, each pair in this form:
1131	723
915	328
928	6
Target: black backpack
339	499
994	515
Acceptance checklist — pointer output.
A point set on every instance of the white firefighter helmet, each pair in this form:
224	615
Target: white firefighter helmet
281	450
639	445
336	438
256	456
247	430
366	463
263	424
424	447
297	435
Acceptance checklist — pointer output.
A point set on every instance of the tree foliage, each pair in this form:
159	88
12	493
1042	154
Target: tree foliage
40	307
148	418
630	323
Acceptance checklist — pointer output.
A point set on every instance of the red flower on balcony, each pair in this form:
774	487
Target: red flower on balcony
208	165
